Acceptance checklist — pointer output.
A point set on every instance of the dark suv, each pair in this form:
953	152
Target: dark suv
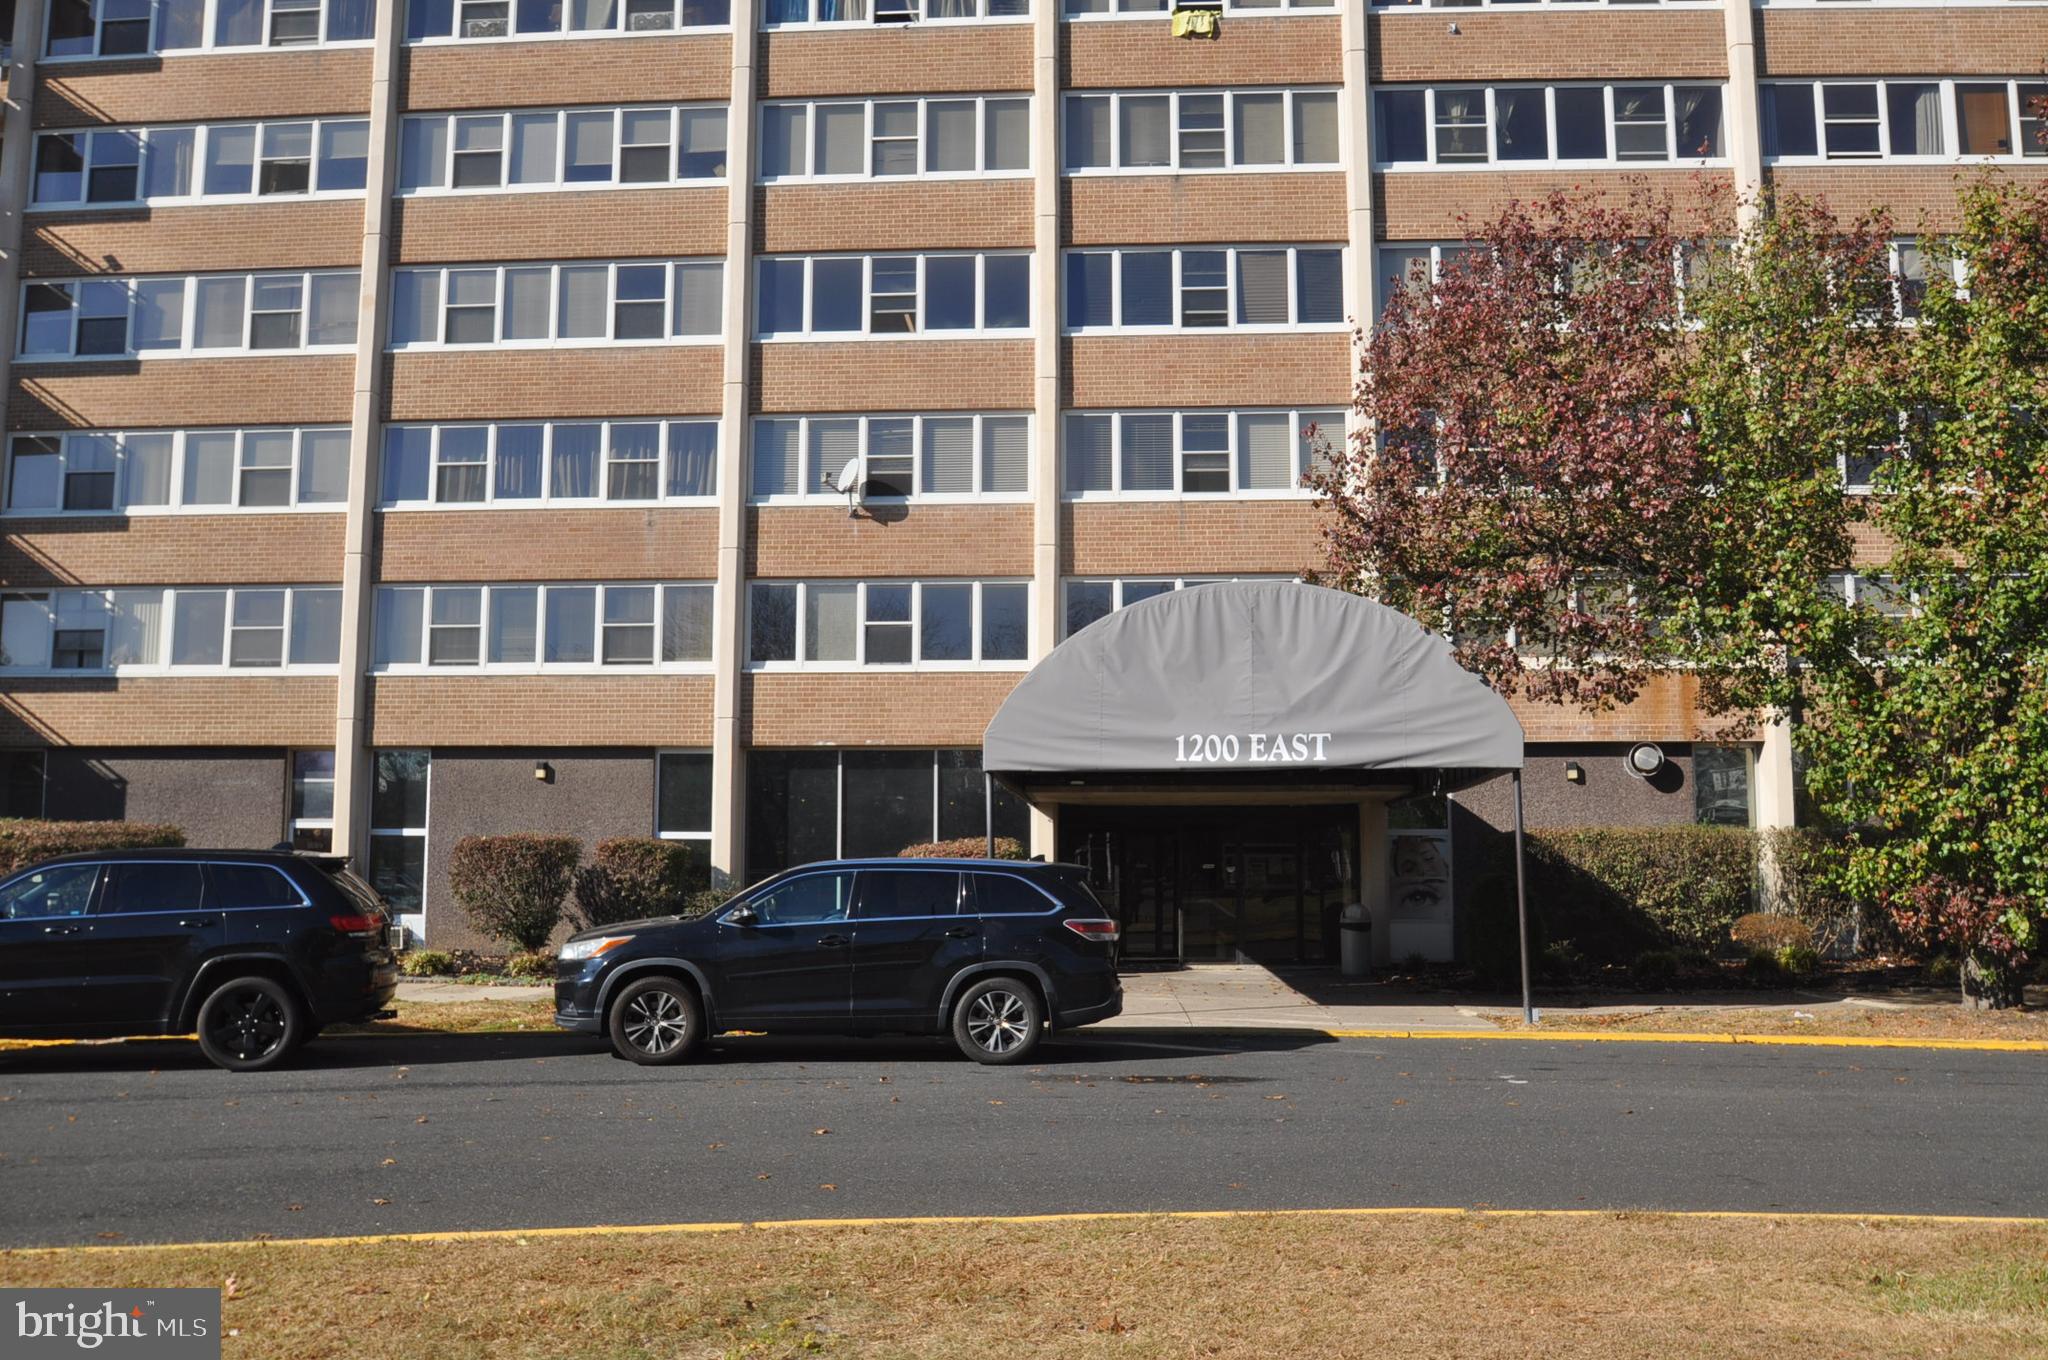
256	950
991	951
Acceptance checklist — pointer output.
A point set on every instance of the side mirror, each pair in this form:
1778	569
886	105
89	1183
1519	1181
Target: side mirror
742	916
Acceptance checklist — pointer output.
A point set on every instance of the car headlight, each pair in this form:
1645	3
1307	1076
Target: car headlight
591	948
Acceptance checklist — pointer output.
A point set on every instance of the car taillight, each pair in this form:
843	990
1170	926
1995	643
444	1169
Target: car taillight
1102	931
357	925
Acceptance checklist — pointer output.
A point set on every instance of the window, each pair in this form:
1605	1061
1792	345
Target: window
120	28
581	148
474	20
59	891
837	624
895	894
783	13
682	806
21	784
1262	129
1202	289
1721	780
1896	119
1196	452
1447	127
891	456
809	900
839	297
113	472
956	135
398	830
102	630
1152	9
581	303
136	318
580	626
539	464
808	805
1086	601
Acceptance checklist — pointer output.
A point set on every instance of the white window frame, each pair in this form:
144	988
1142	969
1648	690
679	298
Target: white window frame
416	922
1298	418
1117	584
859	665
540	665
1230	94
1494	163
554	340
865	17
294	825
923	172
1231	325
559	182
176	505
812	479
920	332
1951	118
100	599
1281	8
186	348
547	499
621	29
207	44
702	838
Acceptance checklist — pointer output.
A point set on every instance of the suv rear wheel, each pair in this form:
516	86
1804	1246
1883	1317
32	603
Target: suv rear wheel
250	1023
657	1021
998	1021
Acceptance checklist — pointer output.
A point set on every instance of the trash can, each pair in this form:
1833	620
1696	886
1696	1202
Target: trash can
1354	930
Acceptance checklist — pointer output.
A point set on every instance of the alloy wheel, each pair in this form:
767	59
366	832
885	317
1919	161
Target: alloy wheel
997	1021
250	1025
656	1022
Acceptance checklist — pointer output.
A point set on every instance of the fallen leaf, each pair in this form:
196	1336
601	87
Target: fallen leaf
293	1208
380	1201
108	1236
714	1146
391	1161
760	1175
1276	1097
828	1187
819	1133
1400	1102
421	1120
230	1288
1111	1324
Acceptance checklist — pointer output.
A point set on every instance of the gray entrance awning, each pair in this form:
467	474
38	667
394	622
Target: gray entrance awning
1252	676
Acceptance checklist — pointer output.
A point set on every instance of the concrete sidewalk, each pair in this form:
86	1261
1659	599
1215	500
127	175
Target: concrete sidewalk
1215	996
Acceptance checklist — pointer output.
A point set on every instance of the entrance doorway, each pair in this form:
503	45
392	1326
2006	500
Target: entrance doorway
1252	884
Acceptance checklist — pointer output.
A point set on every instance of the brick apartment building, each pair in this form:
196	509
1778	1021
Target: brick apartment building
693	417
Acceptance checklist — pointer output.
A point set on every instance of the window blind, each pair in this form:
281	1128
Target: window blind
834	443
1006	445
1088	467
1261	129
1262	287
950	126
775	458
1148	453
949	455
1265	452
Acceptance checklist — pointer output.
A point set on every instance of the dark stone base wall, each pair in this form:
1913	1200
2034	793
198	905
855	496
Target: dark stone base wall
233	799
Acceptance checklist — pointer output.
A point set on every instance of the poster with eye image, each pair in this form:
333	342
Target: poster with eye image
1419	896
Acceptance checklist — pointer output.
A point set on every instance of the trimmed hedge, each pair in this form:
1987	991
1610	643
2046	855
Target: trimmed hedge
964	847
630	877
511	887
26	841
1615	892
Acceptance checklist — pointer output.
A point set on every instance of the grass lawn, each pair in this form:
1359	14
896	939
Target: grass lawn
482	1016
1934	1020
1274	1287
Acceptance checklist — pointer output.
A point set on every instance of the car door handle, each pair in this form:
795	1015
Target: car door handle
963	932
834	941
62	930
194	922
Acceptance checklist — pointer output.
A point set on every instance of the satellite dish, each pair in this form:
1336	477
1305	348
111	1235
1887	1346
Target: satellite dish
848	479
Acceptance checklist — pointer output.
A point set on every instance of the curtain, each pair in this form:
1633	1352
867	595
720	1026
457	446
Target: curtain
692	457
518	470
574	470
168	168
135	627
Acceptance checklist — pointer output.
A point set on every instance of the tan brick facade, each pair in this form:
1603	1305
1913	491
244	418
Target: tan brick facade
1114	210
642	709
267	710
893	375
539	384
554	74
1107	372
1425	205
1142	54
871	709
1666	710
323	234
283	389
201	88
561	224
1919	198
1189	537
978	59
1933	40
668	543
300	548
889	540
1492	45
972	214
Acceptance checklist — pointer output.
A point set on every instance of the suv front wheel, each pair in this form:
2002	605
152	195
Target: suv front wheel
248	1024
998	1021
657	1021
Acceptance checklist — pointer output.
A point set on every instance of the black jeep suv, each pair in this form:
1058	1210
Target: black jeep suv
992	951
254	949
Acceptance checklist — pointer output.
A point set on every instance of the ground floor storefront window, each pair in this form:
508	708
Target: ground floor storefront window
1721	778
682	807
398	831
830	804
312	824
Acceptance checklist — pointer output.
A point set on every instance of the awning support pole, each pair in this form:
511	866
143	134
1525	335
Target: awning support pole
988	810
1522	906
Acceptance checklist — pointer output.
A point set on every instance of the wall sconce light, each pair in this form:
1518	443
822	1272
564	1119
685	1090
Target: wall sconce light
543	772
1574	773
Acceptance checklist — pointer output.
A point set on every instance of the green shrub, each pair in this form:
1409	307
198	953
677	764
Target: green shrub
25	841
1944	970
1765	930
1798	960
1762	966
1807	865
963	847
1560	961
426	963
1492	940
1621	890
704	901
536	964
630	877
511	887
1654	968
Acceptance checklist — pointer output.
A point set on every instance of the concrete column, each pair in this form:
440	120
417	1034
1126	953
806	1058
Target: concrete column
17	158
353	773
1354	149
1374	866
1045	392
1742	109
729	632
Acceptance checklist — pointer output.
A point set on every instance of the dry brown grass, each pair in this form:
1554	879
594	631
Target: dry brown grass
482	1016
1275	1287
1945	1020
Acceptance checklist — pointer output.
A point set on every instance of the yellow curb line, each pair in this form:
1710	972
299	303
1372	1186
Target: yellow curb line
1596	1036
526	1235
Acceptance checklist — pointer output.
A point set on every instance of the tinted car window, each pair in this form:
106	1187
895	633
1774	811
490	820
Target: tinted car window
63	891
814	897
1006	894
152	887
248	885
907	892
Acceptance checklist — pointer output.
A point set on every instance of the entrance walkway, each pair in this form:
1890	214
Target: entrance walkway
1231	995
